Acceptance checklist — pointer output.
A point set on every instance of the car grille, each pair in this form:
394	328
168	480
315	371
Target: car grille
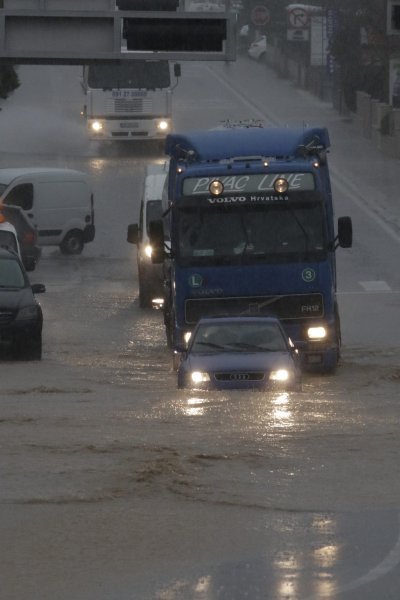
296	306
245	376
6	317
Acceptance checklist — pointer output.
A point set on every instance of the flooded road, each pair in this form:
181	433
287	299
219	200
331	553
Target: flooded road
115	485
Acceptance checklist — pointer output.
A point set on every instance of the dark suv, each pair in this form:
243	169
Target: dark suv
27	235
21	317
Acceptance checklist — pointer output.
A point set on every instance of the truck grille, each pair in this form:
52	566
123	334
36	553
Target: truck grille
6	317
299	306
130	105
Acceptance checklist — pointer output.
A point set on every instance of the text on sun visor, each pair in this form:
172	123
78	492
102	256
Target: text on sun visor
248	183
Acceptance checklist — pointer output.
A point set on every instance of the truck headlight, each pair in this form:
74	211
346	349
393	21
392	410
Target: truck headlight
316	333
163	125
96	126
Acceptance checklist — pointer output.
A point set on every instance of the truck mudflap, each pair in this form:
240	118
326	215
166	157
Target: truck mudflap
89	233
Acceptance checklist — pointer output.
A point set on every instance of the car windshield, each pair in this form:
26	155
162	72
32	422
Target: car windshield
238	337
261	233
11	275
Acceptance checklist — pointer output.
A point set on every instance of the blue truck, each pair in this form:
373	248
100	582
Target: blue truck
249	219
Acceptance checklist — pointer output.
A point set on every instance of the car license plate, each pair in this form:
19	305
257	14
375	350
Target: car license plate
129	125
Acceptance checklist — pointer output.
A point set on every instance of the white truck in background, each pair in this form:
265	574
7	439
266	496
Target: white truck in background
130	100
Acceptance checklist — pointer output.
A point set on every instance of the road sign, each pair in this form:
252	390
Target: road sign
260	16
298	35
298	18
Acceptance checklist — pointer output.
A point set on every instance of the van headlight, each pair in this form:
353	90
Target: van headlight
186	336
148	250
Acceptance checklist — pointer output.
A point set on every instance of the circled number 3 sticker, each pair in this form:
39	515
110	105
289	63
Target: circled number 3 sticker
308	275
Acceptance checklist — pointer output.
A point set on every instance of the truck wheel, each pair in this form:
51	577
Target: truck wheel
72	242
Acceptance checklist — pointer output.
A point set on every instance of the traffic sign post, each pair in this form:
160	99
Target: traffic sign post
298	24
298	18
260	16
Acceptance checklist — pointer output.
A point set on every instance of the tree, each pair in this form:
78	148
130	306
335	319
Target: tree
360	47
9	80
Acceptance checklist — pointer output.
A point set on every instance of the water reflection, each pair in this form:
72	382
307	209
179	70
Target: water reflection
282	416
305	568
199	405
98	164
195	407
321	560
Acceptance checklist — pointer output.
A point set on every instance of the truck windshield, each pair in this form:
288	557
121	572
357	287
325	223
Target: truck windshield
138	74
279	233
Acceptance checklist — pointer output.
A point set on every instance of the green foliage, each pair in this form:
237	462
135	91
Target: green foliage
9	80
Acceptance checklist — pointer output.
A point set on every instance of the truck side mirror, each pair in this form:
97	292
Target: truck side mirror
177	69
156	235
345	232
133	233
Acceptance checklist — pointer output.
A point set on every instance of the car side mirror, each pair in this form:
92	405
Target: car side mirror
133	233
38	288
181	347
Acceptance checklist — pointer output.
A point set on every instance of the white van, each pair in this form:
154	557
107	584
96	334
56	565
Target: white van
58	202
151	286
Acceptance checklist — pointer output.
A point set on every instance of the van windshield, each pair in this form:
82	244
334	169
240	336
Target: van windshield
153	212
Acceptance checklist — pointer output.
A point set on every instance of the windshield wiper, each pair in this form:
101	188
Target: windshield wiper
211	345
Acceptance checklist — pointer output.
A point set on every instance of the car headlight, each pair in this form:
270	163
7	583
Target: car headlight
28	312
199	377
279	375
96	126
163	125
316	333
